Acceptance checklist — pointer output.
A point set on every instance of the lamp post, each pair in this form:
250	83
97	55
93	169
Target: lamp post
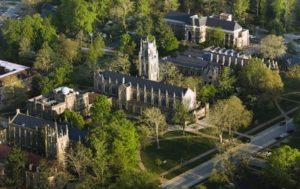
286	125
91	35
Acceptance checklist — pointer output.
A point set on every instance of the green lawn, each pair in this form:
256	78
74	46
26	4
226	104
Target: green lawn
290	85
173	152
176	134
288	105
190	166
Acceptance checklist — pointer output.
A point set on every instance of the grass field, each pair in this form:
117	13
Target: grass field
173	152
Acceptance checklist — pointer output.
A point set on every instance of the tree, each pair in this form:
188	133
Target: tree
240	8
143	7
169	5
206	93
283	11
95	51
121	9
77	15
257	77
226	82
229	114
144	135
75	118
44	59
135	179
78	159
27	34
153	118
14	91
181	115
120	64
280	167
144	26
15	167
272	46
191	82
43	175
169	73
68	48
127	45
216	36
294	72
166	39
100	110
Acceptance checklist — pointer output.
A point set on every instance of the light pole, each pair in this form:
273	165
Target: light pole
91	35
286	125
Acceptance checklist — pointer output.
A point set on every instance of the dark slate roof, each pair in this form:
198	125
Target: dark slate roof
30	121
143	82
224	24
76	134
208	21
178	16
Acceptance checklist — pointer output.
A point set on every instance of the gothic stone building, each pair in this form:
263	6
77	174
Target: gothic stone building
198	28
37	135
191	63
134	94
148	60
56	102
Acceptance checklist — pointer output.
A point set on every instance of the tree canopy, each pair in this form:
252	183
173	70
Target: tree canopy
257	77
272	46
229	114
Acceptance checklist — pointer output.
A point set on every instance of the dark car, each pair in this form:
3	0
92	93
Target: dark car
282	123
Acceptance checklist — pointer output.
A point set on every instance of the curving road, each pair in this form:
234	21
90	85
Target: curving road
202	172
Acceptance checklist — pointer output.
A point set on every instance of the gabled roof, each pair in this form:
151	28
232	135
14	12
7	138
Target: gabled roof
204	21
178	16
143	83
224	24
30	121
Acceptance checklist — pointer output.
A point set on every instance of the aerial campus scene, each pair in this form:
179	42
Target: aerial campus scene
149	94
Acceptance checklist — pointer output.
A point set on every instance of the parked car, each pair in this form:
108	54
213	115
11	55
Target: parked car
282	123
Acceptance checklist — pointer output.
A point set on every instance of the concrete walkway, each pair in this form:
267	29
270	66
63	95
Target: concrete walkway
189	161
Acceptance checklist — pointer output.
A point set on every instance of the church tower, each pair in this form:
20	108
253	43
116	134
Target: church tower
148	60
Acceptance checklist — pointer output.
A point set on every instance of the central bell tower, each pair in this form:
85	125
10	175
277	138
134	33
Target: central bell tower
148	60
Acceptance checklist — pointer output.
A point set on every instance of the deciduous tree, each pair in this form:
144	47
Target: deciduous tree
272	46
229	114
206	93
280	168
240	8
100	110
226	82
155	120
257	77
15	167
181	115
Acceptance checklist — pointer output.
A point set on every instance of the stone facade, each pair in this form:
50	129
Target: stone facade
148	60
196	28
37	135
134	94
233	59
193	66
56	102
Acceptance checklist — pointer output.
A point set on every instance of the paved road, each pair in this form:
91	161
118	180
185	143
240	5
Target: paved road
202	172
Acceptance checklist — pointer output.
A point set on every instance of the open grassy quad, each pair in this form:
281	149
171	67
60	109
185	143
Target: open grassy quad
173	152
